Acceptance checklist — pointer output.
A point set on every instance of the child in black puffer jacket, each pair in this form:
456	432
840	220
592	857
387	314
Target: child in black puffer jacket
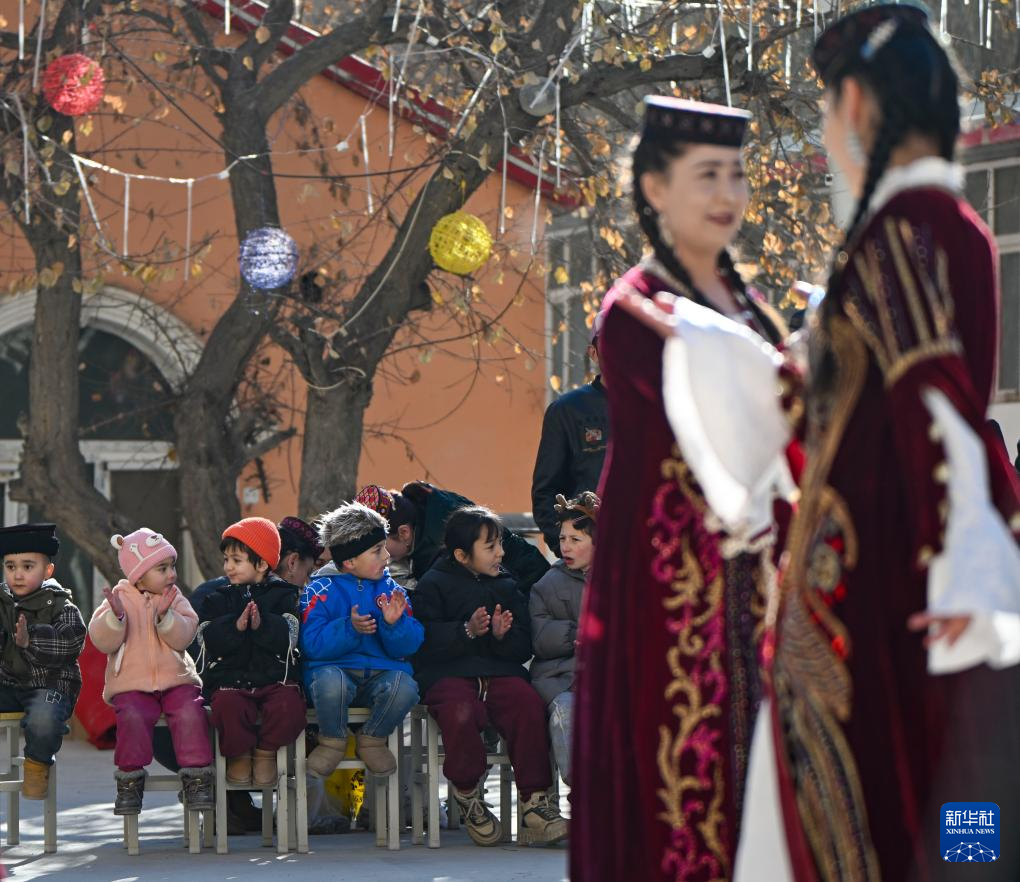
471	671
248	642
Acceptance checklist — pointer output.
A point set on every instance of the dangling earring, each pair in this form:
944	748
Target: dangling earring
664	233
856	149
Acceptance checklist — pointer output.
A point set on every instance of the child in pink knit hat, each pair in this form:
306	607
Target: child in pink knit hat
144	626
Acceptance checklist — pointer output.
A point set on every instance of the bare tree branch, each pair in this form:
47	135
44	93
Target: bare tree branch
317	55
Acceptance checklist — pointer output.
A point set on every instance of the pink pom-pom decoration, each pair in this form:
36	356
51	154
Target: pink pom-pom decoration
74	84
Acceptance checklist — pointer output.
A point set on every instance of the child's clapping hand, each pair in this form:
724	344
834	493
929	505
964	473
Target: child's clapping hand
502	620
393	607
116	604
166	600
363	624
249	618
21	632
478	624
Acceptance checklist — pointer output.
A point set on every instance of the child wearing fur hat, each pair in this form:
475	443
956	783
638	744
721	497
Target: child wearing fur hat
357	633
144	626
248	636
555	609
41	637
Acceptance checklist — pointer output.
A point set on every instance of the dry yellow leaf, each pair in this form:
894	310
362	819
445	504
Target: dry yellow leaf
248	63
262	34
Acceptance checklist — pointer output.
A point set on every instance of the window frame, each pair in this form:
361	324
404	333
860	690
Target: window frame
1006	243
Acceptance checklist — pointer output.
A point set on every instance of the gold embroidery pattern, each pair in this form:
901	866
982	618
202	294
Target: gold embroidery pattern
690	759
901	339
812	682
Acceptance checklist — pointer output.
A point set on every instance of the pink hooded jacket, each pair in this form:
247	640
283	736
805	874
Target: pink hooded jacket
144	655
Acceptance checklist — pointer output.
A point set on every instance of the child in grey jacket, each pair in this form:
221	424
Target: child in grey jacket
555	608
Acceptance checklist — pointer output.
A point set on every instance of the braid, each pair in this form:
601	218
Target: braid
765	319
890	133
649	221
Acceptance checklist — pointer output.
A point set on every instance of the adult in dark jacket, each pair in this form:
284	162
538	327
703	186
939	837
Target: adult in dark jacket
572	449
417	517
248	638
471	672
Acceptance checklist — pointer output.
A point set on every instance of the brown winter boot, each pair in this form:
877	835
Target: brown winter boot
264	771
376	756
37	779
239	769
326	756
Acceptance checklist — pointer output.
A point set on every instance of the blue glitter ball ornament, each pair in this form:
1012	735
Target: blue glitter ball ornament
269	258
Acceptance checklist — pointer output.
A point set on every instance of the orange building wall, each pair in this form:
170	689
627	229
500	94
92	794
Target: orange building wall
485	447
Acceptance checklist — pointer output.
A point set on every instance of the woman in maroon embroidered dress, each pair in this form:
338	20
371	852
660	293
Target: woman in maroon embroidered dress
668	685
906	506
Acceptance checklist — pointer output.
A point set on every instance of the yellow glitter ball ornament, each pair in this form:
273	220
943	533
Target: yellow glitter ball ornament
460	243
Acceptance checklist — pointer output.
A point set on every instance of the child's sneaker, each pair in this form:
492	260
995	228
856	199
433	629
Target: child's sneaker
541	821
198	784
130	789
482	825
37	779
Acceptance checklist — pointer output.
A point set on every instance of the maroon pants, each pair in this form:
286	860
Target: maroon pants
236	713
513	707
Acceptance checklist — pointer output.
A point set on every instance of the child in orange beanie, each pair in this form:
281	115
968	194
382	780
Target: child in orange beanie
249	636
144	626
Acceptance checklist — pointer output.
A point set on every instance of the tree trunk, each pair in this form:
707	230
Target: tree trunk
211	453
53	476
332	446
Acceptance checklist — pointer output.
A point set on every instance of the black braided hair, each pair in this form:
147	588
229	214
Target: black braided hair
915	83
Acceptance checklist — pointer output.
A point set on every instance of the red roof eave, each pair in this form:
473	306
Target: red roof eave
364	79
995	135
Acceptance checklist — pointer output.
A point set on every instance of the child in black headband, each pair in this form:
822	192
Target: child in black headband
356	632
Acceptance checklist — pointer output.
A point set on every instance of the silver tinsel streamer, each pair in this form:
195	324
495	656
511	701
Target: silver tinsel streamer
559	136
368	176
187	233
38	45
538	198
750	34
226	17
471	104
21	29
725	57
127	208
502	188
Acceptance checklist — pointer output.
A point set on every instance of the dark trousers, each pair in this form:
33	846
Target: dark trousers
45	722
236	712
463	707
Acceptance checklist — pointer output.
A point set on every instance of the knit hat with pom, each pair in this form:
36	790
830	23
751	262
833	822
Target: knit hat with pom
260	535
140	551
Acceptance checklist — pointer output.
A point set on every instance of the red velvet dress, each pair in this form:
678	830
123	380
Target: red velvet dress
869	744
668	683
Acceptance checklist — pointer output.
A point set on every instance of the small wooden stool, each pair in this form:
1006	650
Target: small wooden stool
12	776
195	820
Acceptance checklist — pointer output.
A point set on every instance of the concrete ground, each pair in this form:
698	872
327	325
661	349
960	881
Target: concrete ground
90	845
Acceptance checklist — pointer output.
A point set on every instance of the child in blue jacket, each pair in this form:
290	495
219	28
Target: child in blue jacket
357	630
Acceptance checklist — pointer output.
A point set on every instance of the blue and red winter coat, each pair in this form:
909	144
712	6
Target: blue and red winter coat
328	636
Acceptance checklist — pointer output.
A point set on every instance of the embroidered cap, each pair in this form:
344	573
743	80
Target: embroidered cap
857	37
679	119
29	539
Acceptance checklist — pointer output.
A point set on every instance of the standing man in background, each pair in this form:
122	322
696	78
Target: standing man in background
575	436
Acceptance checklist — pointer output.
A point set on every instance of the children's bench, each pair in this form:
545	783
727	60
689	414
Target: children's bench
425	772
12	776
384	797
